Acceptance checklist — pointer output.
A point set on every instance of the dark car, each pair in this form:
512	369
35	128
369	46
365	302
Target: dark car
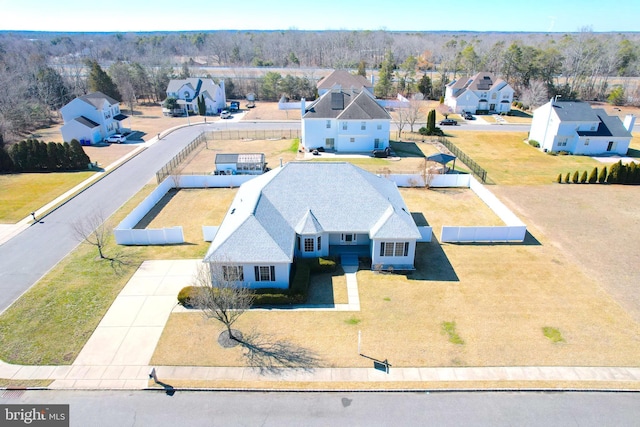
448	122
468	116
381	153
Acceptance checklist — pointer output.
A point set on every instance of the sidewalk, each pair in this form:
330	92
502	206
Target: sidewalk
118	354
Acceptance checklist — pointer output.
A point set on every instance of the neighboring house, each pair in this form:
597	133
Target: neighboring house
344	80
242	164
91	118
479	93
308	209
187	91
345	120
575	127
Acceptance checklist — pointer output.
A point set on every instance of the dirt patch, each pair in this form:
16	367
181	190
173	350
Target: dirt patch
596	226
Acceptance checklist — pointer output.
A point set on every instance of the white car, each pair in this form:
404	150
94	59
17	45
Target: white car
116	137
225	114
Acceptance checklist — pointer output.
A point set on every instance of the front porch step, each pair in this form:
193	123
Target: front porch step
349	259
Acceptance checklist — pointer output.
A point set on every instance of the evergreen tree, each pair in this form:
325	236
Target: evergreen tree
385	75
575	177
99	81
202	107
6	164
78	158
425	86
567	179
593	176
614	173
431	121
583	178
362	68
559	180
631	173
602	177
53	163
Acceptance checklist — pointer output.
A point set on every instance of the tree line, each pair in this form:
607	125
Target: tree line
40	72
32	155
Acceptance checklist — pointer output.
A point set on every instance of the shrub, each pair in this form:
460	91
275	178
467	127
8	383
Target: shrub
322	265
433	132
632	173
534	143
614	173
593	177
188	296
567	178
276	297
575	177
559	178
602	177
583	178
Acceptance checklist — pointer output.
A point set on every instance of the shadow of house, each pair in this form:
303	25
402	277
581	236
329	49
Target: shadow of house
432	264
406	149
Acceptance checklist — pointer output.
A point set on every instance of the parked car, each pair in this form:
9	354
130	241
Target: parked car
225	114
381	153
468	116
448	122
116	137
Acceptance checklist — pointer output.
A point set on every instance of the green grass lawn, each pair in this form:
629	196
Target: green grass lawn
23	193
508	160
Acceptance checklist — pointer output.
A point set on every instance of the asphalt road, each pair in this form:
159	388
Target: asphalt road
28	256
147	408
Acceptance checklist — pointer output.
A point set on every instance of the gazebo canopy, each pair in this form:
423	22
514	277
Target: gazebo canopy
441	158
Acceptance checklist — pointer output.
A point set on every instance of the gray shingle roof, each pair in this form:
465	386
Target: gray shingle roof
356	105
608	126
97	99
344	79
308	197
574	111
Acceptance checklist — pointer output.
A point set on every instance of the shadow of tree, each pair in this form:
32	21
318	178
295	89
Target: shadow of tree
271	355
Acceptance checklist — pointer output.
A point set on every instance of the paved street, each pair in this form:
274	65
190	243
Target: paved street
111	408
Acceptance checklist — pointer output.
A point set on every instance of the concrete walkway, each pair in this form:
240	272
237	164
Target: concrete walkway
118	354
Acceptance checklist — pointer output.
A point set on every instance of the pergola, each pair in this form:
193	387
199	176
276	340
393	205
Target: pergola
443	159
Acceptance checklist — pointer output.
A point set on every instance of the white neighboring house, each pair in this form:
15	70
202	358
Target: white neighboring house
187	91
311	209
575	127
91	118
345	120
481	92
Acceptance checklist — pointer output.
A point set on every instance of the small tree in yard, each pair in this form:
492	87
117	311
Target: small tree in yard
575	177
93	230
559	180
567	179
222	298
602	177
445	110
593	176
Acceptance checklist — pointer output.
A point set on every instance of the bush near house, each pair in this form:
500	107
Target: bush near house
602	177
575	177
296	294
618	173
583	178
32	155
534	143
593	177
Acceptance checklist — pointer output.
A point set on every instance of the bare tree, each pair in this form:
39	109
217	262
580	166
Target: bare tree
414	112
223	298
93	230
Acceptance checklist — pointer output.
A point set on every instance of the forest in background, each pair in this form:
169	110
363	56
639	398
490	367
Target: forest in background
40	71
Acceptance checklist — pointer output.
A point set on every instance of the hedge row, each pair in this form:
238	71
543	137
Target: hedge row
32	155
297	293
618	173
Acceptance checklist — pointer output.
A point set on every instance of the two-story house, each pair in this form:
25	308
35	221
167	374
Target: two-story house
91	118
479	93
187	92
345	120
575	127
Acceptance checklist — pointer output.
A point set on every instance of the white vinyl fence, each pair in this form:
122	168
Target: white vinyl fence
514	230
126	234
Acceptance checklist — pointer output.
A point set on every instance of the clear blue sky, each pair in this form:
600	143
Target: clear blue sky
399	15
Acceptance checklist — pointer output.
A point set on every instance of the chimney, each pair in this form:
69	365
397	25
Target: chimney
302	106
629	121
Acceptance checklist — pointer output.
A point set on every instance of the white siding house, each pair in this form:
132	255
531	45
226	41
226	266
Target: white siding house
345	121
575	127
308	209
481	92
91	118
187	91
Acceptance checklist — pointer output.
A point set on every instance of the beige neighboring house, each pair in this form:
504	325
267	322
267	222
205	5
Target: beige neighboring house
344	80
482	92
91	118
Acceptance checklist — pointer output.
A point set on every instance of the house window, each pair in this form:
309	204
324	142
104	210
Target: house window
328	124
319	243
308	245
233	273
329	143
344	125
376	143
394	248
363	126
586	141
379	126
348	238
494	95
265	273
352	140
